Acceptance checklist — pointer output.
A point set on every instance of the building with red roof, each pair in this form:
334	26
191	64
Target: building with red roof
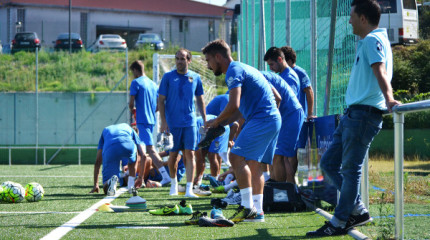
184	23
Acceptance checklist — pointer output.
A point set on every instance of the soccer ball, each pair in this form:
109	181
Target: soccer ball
13	193
5	185
34	192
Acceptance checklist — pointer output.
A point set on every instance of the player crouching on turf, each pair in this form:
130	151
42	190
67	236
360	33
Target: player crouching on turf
118	142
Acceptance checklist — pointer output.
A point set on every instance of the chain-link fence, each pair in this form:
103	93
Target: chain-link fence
305	26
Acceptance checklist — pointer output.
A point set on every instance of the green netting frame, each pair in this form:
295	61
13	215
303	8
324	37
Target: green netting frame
300	32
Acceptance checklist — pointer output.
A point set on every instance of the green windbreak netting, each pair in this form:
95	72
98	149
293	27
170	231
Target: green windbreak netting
276	14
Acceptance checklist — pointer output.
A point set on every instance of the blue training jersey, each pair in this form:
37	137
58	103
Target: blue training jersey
292	79
180	90
117	134
304	83
146	93
256	100
217	105
289	102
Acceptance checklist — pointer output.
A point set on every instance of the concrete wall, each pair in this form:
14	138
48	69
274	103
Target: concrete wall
72	118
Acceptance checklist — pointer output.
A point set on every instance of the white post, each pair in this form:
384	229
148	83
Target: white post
365	181
37	102
79	156
253	35
127	115
10	156
314	51
272	23
399	120
262	38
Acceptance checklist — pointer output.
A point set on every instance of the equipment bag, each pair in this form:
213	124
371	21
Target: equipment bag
282	197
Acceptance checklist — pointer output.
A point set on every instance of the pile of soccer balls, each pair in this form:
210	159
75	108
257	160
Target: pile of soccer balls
14	192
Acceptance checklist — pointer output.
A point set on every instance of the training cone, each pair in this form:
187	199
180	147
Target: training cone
105	208
136	202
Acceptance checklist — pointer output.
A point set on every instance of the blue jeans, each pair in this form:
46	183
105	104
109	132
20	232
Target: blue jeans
343	160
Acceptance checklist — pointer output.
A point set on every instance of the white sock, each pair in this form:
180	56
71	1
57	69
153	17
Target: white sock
359	209
228	178
246	195
199	182
266	176
258	202
230	186
337	223
174	186
189	188
130	183
164	173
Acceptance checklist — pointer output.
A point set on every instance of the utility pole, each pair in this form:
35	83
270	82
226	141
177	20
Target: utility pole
70	26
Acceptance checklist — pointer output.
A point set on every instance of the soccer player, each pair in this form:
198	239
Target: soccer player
118	142
217	104
305	96
368	93
250	96
276	60
144	92
177	91
292	120
217	148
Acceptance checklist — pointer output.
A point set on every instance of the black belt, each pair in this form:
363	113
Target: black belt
366	108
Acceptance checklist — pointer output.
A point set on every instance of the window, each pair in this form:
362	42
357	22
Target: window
21	18
388	6
84	26
409	4
211	30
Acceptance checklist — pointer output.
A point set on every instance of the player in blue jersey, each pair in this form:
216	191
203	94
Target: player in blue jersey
292	120
218	147
177	91
250	97
368	93
118	142
305	96
276	61
144	92
217	104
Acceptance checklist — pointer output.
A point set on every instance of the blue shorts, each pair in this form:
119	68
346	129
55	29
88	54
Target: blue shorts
125	151
289	133
305	133
257	140
184	138
146	133
220	144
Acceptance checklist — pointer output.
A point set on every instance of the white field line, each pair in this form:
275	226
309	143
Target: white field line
144	227
59	232
47	176
39	212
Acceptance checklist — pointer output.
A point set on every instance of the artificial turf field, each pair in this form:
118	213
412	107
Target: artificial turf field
67	194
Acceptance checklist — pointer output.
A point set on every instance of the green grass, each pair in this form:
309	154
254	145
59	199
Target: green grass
70	194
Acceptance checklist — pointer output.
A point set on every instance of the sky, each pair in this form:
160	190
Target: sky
214	2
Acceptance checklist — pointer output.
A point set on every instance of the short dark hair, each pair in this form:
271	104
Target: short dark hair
189	56
370	9
217	46
138	65
289	53
273	54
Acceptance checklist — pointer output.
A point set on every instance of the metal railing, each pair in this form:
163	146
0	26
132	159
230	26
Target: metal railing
399	112
48	147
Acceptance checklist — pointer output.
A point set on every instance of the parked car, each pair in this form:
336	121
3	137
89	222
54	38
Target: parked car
108	41
62	42
150	39
25	41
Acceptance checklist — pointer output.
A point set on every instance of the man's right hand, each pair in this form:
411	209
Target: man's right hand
163	127
95	189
